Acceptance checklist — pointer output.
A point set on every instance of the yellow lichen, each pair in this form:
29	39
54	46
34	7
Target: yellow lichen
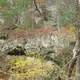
29	67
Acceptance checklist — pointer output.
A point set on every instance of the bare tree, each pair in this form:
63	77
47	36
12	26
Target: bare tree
76	50
77	25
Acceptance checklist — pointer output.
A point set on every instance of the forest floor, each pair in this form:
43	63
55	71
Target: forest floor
34	55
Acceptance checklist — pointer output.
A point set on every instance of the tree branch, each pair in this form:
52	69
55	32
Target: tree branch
35	4
70	66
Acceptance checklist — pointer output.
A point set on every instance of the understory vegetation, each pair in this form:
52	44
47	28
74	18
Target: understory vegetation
37	38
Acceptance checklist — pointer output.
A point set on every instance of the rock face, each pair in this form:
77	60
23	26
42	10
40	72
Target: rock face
39	40
42	44
36	43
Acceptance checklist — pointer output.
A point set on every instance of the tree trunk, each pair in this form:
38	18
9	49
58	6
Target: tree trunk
78	68
78	54
77	25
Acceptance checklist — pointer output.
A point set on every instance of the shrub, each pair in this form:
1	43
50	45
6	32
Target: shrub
29	68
